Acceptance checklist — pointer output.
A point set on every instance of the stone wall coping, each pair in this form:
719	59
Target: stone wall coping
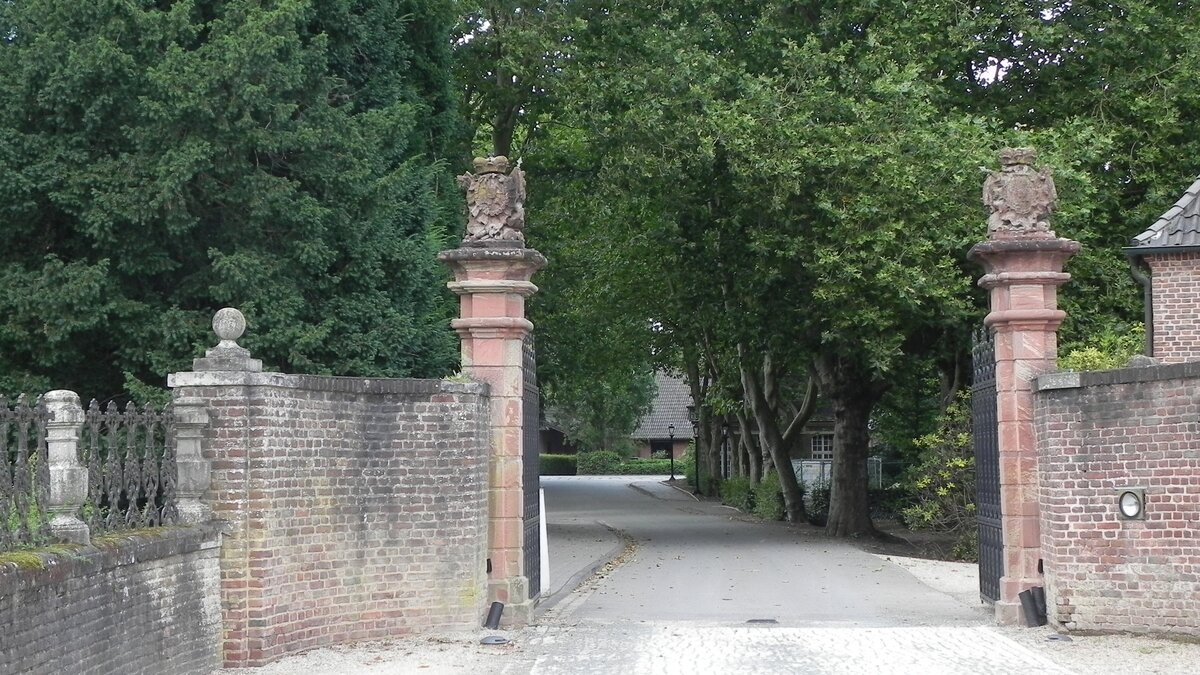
109	551
329	383
1156	373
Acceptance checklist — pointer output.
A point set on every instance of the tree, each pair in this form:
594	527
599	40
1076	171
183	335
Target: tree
795	184
160	161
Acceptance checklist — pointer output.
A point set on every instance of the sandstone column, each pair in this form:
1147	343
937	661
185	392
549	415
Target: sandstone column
492	270
1024	261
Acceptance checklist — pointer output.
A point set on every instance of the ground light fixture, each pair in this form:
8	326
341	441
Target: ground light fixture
1131	503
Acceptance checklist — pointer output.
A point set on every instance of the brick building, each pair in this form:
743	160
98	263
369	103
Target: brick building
1170	250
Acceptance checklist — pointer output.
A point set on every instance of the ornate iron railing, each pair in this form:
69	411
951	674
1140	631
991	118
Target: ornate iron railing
130	457
24	473
532	474
985	440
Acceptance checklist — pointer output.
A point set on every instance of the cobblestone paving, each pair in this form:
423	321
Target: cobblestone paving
692	649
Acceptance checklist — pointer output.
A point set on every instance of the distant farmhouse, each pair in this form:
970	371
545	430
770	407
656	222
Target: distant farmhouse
670	408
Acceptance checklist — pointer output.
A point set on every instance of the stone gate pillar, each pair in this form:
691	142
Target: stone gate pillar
492	270
1023	260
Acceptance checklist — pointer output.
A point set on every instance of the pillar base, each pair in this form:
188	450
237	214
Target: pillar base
194	512
518	606
1009	613
70	529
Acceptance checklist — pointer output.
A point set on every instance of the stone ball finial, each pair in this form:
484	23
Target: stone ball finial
229	324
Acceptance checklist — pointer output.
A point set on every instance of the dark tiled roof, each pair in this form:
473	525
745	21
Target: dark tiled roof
1178	228
670	407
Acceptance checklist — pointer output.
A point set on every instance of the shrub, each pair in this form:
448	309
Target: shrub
738	492
818	502
557	465
644	467
1108	349
686	465
943	482
768	498
597	463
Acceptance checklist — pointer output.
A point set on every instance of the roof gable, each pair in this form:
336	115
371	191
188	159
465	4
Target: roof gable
1177	229
669	407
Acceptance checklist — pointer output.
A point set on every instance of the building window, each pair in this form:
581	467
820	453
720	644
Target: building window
822	446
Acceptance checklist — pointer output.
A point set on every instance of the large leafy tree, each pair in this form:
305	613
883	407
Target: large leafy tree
776	190
159	160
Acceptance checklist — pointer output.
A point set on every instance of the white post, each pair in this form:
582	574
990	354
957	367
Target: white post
68	475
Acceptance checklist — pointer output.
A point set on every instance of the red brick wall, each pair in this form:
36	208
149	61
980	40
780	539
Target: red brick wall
1176	299
1097	432
357	508
140	603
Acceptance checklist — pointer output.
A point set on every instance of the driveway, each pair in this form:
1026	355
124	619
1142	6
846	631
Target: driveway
644	579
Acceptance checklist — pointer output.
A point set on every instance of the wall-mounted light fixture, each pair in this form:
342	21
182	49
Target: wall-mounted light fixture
1131	503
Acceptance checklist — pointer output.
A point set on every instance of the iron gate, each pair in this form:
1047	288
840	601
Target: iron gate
531	451
986	443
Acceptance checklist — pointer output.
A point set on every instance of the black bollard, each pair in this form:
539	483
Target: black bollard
1029	607
493	617
1039	601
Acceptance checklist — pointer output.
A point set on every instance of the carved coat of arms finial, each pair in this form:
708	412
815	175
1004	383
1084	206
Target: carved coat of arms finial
1019	198
495	201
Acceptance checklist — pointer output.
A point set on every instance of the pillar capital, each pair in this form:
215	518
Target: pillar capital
1023	258
493	261
1023	276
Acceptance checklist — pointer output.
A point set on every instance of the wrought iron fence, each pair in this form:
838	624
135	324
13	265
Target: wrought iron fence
24	473
130	457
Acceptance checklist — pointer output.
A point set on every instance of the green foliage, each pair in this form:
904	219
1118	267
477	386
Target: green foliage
608	463
943	483
685	465
598	462
600	413
1108	349
161	160
557	465
644	467
768	498
818	502
738	492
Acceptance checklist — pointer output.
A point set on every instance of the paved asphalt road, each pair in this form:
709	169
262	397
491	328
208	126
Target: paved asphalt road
701	590
703	562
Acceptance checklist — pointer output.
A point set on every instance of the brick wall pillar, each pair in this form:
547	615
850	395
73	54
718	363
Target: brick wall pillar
1023	261
214	480
492	280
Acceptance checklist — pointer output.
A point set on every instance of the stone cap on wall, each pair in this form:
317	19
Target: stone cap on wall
1155	373
330	383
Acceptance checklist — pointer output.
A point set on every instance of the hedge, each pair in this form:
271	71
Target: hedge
557	465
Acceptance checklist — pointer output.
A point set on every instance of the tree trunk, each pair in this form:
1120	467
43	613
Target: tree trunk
751	453
777	443
853	394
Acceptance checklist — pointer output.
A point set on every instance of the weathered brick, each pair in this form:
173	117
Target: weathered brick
1134	427
357	509
142	605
